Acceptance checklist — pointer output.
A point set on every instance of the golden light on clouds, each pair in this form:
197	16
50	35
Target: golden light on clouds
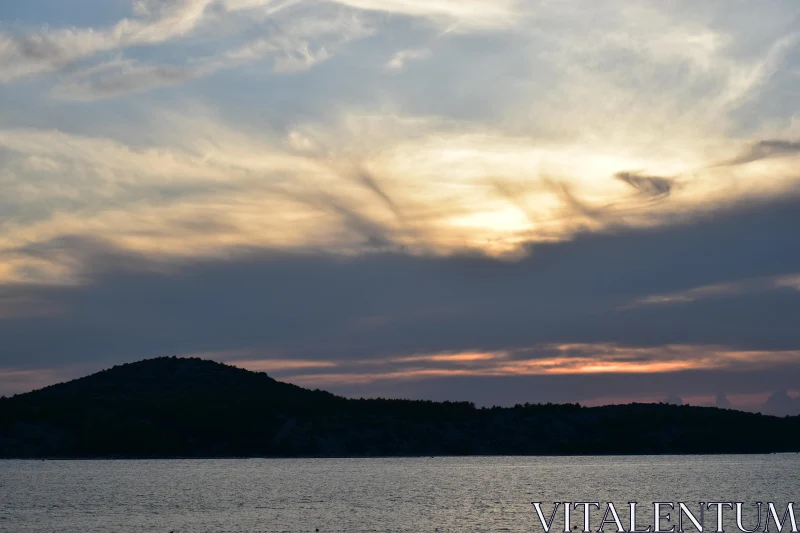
538	164
466	357
566	359
445	194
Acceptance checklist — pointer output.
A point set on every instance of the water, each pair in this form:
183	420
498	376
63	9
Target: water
360	495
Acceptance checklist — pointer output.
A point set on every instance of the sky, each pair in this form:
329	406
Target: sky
499	201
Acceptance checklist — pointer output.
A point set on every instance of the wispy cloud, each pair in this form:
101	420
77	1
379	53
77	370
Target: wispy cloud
121	77
46	50
464	14
766	150
401	58
156	22
728	289
552	360
294	45
656	187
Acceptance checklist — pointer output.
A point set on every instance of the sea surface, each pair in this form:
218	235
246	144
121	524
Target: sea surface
361	495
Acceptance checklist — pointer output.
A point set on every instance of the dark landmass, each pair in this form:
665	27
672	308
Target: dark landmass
172	407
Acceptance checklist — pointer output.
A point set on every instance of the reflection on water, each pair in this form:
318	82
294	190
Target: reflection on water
354	495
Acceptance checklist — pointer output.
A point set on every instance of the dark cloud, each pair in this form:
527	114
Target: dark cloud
722	401
765	150
575	205
781	404
371	183
651	186
319	306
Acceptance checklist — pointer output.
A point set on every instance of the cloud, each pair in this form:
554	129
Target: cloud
722	401
766	150
294	44
401	58
291	43
465	14
655	187
48	50
542	360
156	22
121	77
782	404
559	309
723	290
374	181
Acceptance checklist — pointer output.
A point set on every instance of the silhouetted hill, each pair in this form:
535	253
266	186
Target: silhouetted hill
171	407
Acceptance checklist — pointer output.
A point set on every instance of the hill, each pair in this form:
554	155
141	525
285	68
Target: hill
173	407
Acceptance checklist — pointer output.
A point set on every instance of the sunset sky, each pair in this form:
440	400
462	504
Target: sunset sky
498	201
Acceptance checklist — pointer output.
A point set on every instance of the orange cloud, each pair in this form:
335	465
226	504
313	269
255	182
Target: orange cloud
464	357
564	359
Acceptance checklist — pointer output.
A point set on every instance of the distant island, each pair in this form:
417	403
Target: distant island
176	407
